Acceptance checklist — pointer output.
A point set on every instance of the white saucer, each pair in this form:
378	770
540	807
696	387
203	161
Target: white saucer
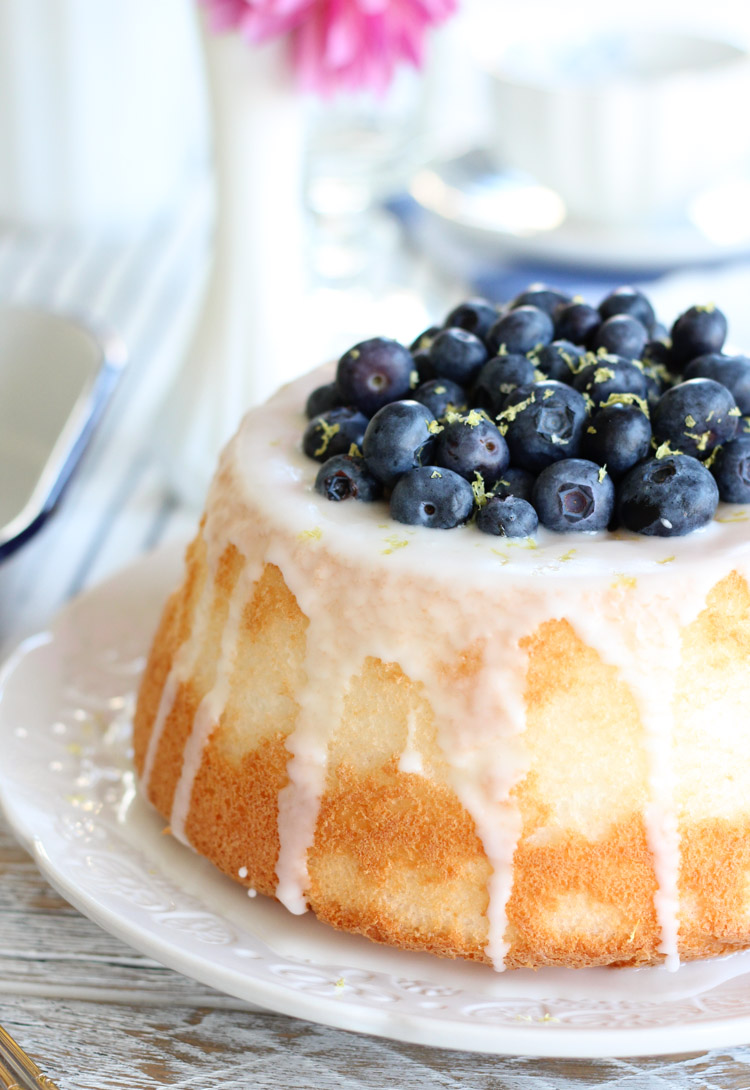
67	788
509	215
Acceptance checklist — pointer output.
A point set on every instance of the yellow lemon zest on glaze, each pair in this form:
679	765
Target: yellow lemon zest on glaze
734	516
394	542
666	560
527	543
623	580
310	535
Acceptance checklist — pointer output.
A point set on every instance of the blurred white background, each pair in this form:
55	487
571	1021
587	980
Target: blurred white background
409	201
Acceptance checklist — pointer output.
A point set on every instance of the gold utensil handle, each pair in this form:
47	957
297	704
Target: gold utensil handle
17	1070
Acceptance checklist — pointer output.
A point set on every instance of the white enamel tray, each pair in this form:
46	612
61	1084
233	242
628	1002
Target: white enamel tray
56	377
67	788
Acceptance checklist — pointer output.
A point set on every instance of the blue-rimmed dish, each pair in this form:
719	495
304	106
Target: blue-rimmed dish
56	377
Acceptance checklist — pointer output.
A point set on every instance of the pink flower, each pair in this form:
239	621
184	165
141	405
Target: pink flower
338	44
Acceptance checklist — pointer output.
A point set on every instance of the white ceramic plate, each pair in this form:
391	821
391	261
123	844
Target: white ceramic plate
506	214
56	377
67	788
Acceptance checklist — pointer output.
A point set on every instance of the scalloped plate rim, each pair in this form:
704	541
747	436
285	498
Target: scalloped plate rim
524	1040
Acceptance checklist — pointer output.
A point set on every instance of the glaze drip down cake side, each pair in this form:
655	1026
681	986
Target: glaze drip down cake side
523	751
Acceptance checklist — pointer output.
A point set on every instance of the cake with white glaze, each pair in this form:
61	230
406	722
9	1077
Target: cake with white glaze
522	752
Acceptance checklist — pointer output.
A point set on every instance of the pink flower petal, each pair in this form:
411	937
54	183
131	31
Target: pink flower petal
338	44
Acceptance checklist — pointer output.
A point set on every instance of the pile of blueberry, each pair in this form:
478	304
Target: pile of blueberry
543	410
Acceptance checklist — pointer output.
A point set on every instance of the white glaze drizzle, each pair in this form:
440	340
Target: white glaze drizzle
642	639
410	761
211	707
331	558
182	668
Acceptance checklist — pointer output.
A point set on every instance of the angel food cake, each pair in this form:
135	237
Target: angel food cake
491	702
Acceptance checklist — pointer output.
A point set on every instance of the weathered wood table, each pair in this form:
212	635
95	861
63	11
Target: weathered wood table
93	1013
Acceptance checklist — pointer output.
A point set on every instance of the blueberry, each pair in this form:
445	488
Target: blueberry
667	497
457	355
574	495
439	395
346	478
398	437
424	340
731	470
470	445
576	322
617	436
698	331
520	330
657	382
431	496
422	363
507	516
658	352
658	332
608	375
627	300
373	373
560	360
620	335
694	416
731	371
498	377
322	399
541	296
542	423
514	482
334	432
474	315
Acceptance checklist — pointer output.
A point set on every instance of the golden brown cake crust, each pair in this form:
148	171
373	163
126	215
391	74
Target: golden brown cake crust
396	856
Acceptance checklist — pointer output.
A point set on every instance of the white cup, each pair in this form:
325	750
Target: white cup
624	125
